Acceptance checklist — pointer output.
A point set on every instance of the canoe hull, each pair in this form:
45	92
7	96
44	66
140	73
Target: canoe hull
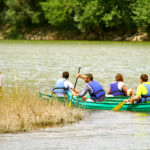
109	104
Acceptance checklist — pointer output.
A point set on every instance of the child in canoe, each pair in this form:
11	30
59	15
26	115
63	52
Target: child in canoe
118	87
143	91
62	85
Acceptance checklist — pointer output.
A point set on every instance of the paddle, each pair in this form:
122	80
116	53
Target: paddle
74	88
119	106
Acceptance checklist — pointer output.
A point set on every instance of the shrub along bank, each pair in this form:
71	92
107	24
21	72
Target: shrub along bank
86	19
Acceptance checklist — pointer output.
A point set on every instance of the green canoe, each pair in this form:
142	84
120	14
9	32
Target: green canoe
109	104
108	98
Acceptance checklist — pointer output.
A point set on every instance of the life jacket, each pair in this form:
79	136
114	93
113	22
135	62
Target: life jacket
97	90
146	97
115	91
59	87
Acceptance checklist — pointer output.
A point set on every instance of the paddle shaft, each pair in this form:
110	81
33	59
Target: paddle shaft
75	83
77	79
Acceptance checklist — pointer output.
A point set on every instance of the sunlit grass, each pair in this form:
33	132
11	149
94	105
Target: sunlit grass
23	110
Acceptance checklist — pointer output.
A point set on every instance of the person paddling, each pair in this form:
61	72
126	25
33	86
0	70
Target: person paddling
118	87
143	91
94	88
62	86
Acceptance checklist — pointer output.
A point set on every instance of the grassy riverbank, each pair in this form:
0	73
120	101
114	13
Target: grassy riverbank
23	110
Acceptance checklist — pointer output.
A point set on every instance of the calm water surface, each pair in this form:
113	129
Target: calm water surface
40	64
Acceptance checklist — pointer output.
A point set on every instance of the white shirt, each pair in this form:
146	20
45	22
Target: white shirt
68	85
120	85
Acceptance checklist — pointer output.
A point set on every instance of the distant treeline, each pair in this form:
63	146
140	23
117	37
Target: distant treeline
77	15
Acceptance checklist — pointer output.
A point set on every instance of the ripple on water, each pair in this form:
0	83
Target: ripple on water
42	63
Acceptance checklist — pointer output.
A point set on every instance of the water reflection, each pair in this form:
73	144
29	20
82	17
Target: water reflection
142	119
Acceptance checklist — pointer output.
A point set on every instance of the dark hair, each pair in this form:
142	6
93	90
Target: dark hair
144	77
119	77
90	76
65	75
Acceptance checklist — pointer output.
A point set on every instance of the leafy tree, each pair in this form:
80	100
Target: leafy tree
19	14
84	15
141	13
103	13
88	14
59	12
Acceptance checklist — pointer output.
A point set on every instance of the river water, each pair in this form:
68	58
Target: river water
41	63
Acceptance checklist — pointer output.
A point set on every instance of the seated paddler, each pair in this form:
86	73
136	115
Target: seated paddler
93	87
63	86
143	91
118	87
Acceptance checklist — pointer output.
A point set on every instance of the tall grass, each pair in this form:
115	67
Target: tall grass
23	110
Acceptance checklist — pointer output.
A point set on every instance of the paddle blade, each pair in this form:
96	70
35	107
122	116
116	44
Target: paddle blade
119	106
69	104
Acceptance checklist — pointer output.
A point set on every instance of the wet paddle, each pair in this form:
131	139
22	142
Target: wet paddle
119	106
74	88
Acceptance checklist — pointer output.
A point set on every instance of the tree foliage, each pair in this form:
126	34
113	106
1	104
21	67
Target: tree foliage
81	15
58	12
141	13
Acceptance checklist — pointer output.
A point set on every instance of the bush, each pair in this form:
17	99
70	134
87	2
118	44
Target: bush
59	12
141	13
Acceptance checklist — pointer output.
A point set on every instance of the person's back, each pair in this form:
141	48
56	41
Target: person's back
60	89
146	97
142	92
143	89
62	86
98	94
118	87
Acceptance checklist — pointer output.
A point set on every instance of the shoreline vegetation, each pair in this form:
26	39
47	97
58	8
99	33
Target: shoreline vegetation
100	20
48	34
22	110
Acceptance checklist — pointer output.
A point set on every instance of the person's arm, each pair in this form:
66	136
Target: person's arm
108	91
124	89
75	90
74	94
138	94
81	94
132	99
81	76
68	84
